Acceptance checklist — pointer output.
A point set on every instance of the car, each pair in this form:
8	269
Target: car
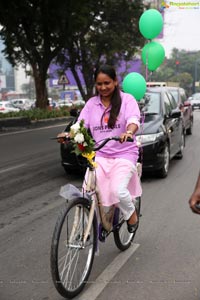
6	107
161	136
22	104
65	103
78	102
71	103
69	160
185	106
195	101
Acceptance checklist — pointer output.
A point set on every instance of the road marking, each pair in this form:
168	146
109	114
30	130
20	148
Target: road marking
105	277
12	168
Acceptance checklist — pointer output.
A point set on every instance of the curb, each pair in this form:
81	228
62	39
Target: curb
13	124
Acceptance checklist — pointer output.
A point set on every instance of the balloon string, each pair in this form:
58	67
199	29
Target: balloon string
146	66
142	129
146	73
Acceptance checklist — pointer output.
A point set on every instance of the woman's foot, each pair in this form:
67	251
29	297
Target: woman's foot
132	223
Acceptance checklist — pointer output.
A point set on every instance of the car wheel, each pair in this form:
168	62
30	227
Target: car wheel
68	170
74	171
163	172
179	155
189	130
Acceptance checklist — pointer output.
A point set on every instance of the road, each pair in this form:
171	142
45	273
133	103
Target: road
164	262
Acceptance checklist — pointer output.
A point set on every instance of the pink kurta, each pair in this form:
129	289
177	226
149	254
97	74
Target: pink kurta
112	172
129	113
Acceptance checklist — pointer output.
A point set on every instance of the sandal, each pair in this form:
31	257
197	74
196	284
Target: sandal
132	227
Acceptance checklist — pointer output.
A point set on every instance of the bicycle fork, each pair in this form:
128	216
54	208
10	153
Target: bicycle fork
76	224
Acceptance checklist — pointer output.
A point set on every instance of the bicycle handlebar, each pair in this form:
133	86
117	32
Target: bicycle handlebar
105	141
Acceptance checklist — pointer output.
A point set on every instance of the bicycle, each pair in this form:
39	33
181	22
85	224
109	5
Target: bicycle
79	227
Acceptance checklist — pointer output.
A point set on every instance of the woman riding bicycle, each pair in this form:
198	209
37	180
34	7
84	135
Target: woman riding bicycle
114	113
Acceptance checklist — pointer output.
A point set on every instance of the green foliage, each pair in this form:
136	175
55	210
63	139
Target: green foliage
184	79
181	68
34	33
38	114
110	34
85	31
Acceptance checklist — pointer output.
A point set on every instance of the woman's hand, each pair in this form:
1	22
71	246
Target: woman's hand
130	131
195	200
61	137
125	136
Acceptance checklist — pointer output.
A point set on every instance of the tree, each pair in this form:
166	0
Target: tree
37	31
33	33
109	33
180	68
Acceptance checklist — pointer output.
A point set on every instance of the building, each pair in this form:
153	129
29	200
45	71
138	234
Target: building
7	77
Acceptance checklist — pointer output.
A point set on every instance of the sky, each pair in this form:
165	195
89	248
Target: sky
181	29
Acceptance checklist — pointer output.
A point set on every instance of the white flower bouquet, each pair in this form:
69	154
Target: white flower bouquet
81	139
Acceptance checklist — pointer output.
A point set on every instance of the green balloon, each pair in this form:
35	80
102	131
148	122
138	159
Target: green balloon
134	84
151	23
153	55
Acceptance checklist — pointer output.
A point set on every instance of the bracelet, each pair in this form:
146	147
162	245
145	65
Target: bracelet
129	132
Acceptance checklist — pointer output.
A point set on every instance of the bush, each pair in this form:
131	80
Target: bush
39	114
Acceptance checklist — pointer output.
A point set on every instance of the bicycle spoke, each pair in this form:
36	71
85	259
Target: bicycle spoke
74	256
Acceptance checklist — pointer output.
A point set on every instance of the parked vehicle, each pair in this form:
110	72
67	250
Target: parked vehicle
161	135
71	103
6	107
67	103
195	101
185	106
22	104
78	102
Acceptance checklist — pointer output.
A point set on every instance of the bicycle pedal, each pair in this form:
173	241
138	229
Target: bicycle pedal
102	239
102	235
140	215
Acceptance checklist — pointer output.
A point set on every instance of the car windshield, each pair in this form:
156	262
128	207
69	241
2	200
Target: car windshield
151	103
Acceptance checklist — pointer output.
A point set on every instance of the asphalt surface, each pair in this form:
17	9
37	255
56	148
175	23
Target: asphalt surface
164	261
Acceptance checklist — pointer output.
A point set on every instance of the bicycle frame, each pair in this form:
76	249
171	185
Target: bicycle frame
91	189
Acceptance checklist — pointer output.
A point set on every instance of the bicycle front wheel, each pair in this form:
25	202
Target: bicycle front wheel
122	237
71	258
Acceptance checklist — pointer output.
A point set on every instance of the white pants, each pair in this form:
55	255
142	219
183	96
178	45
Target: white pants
126	202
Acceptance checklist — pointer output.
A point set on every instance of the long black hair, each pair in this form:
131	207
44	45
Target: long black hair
115	99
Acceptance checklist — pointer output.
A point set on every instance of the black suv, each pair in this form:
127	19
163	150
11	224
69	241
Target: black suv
185	106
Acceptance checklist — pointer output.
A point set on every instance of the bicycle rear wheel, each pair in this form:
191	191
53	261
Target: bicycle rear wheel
71	260
122	237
